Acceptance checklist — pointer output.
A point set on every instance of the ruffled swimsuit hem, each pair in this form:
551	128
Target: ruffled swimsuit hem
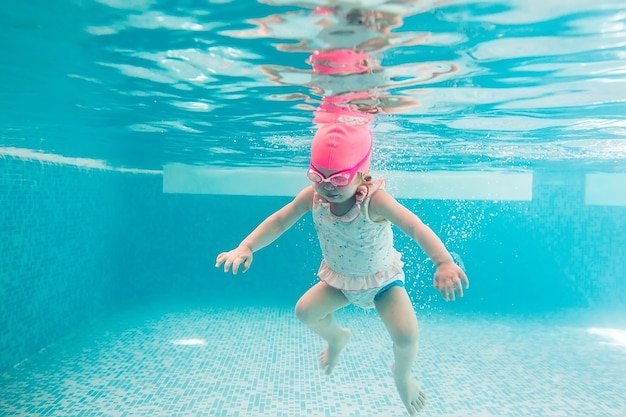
361	283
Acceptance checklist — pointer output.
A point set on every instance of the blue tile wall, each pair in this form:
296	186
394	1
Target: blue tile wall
62	244
587	243
551	253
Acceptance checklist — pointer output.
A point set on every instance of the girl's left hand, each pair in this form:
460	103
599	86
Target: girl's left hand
448	278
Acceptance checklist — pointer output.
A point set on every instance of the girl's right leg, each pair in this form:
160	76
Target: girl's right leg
315	309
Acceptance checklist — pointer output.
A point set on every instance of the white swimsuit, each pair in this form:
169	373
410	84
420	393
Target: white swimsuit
359	257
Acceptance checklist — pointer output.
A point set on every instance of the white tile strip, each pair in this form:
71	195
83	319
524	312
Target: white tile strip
605	189
445	185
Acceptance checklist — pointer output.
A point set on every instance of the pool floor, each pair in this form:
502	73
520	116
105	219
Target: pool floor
175	360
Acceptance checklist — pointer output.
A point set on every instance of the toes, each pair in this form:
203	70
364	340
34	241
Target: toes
416	405
325	365
414	409
419	404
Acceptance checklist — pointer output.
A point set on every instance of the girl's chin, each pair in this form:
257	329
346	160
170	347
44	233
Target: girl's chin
336	198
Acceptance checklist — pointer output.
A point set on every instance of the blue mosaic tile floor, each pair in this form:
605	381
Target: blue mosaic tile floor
260	361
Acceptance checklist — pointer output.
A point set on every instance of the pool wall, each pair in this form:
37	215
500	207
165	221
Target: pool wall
78	243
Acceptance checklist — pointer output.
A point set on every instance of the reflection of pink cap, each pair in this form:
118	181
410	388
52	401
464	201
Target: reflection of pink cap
339	61
323	10
338	146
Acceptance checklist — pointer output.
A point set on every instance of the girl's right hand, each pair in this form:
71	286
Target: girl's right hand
448	278
241	256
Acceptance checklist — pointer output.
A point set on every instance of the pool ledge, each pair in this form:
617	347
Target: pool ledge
444	185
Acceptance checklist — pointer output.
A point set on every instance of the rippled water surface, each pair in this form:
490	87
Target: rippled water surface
446	84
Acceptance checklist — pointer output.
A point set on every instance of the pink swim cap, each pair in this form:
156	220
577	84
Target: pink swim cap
339	146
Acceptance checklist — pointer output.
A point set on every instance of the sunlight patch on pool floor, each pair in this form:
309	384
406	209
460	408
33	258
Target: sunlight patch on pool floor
260	361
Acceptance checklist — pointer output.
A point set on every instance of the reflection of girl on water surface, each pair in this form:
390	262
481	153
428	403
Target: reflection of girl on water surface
346	69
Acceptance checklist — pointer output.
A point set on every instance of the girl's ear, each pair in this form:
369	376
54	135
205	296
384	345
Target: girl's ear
361	193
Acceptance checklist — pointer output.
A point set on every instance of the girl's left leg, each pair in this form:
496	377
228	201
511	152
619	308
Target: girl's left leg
315	309
396	311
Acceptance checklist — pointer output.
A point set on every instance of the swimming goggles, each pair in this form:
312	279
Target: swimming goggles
339	179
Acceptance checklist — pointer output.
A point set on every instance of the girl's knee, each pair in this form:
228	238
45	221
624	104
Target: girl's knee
319	302
405	337
303	312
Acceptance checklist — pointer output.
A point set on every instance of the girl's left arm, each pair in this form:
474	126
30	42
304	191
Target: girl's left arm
449	276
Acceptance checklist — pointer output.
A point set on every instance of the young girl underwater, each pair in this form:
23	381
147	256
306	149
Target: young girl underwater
353	215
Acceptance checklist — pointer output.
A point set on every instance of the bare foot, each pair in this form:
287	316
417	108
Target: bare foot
330	355
410	393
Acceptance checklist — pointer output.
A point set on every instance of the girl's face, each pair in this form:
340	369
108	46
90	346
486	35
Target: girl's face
333	193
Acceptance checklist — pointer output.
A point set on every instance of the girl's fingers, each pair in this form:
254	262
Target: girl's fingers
459	287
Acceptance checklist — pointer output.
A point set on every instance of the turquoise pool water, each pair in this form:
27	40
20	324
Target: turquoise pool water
139	139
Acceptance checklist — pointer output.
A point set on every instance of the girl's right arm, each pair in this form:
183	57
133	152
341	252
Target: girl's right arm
267	232
449	277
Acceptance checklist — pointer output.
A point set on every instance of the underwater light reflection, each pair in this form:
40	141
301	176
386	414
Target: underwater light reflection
616	337
189	342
